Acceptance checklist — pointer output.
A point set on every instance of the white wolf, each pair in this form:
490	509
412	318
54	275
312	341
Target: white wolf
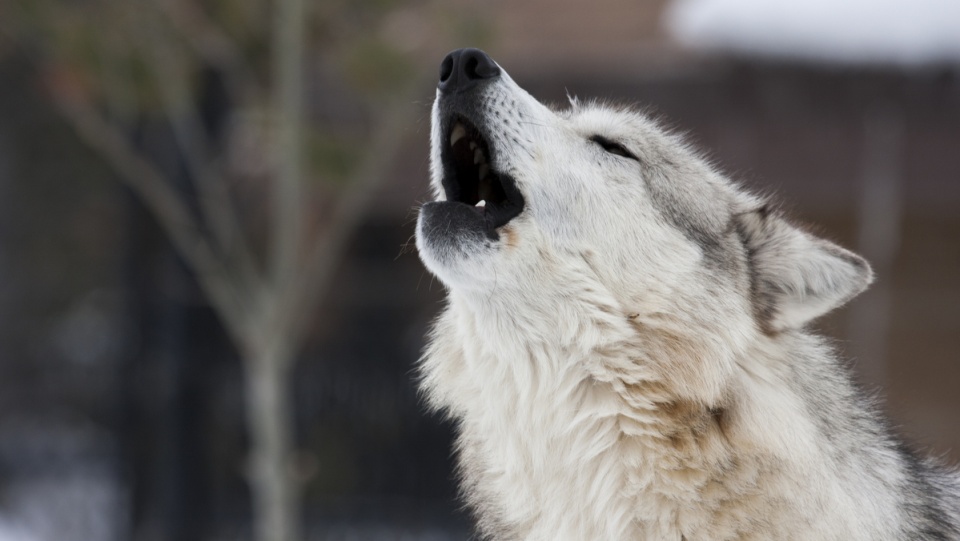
624	346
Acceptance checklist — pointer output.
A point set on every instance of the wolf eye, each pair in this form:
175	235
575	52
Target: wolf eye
613	147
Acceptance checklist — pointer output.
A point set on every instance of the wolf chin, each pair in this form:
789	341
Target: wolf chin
624	347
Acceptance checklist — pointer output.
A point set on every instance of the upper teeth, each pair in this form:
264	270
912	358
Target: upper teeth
459	132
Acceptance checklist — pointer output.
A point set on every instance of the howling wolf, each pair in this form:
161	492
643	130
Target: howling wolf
624	348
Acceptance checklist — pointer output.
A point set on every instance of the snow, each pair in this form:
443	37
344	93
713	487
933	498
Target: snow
74	506
903	32
11	531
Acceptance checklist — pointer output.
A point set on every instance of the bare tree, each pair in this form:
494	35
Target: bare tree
108	63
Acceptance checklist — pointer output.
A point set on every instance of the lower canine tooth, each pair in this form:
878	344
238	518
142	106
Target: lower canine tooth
481	204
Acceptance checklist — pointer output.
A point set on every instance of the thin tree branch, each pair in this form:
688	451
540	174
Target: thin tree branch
215	202
121	103
212	44
174	216
300	298
288	48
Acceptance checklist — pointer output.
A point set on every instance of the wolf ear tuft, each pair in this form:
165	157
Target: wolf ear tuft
795	276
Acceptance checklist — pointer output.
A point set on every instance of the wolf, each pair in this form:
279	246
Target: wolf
624	348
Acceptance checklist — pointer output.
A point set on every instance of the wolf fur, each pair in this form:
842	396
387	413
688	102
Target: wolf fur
628	358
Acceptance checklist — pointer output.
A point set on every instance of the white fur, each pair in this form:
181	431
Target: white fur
613	377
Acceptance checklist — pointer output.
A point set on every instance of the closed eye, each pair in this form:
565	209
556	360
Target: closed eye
613	147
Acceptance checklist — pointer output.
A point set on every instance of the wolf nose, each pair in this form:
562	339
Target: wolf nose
464	68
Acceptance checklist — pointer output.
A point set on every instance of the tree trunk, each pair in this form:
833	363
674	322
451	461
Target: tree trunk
274	491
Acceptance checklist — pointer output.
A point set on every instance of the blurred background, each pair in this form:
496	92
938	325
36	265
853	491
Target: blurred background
210	307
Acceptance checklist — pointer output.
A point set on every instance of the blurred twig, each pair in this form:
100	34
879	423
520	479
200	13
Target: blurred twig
169	208
179	108
211	43
288	45
326	252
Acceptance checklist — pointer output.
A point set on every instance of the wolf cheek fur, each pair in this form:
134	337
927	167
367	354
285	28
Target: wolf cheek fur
624	349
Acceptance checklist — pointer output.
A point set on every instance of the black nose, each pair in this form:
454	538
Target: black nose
464	68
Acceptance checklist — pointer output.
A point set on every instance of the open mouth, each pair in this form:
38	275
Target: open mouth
469	178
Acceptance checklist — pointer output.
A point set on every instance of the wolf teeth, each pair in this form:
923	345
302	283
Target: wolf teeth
459	132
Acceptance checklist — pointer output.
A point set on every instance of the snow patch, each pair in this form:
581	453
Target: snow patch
904	32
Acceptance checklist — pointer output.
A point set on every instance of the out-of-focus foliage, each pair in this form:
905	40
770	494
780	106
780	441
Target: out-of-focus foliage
137	60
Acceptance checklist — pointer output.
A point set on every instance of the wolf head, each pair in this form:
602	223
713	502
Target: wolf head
528	197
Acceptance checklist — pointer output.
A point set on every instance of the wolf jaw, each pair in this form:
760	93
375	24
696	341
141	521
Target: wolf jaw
469	178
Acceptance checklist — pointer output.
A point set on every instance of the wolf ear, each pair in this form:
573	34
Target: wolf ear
795	276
